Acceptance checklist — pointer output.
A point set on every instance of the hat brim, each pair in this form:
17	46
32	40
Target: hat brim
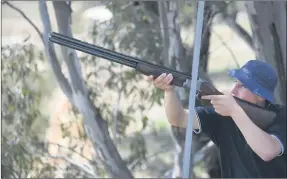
252	85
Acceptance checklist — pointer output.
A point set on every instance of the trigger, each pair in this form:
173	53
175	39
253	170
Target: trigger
198	96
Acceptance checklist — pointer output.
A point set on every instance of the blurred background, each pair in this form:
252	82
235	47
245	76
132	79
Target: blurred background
67	115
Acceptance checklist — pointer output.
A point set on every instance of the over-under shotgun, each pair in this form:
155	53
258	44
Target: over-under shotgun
260	116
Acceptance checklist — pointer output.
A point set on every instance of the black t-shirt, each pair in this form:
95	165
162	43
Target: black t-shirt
237	158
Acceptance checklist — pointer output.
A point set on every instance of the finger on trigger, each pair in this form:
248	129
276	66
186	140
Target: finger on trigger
211	97
206	97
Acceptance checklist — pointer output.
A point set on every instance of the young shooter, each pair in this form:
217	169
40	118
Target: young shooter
246	151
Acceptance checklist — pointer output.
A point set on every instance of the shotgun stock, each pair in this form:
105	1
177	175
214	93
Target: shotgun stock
260	116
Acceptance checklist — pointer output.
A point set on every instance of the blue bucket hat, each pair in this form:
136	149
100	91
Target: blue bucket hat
257	76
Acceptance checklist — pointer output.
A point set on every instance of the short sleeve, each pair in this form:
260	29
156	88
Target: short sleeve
209	122
278	129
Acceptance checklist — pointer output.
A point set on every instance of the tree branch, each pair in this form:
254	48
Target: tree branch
116	112
164	29
63	16
50	51
228	48
95	126
82	167
230	19
240	31
70	149
137	161
41	146
25	17
198	156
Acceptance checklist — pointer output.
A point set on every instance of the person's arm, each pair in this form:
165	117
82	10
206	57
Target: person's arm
267	146
176	114
206	119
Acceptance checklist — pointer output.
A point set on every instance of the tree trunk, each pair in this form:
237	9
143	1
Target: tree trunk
95	126
173	55
178	58
268	23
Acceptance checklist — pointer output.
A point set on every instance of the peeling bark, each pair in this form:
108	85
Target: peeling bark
164	31
173	58
95	126
178	58
51	54
268	23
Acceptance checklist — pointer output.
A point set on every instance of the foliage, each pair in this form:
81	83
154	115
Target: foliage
24	151
22	121
24	125
120	93
134	30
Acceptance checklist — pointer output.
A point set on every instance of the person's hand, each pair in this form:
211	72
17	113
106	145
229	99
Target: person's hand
162	81
224	105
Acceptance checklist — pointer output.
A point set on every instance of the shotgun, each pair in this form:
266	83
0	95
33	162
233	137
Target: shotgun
260	116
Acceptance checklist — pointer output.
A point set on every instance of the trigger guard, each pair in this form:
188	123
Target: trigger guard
198	96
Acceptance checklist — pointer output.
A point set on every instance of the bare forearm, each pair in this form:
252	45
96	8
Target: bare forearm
176	114
264	145
174	110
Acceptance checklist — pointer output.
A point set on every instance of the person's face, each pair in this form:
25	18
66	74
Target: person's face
240	91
